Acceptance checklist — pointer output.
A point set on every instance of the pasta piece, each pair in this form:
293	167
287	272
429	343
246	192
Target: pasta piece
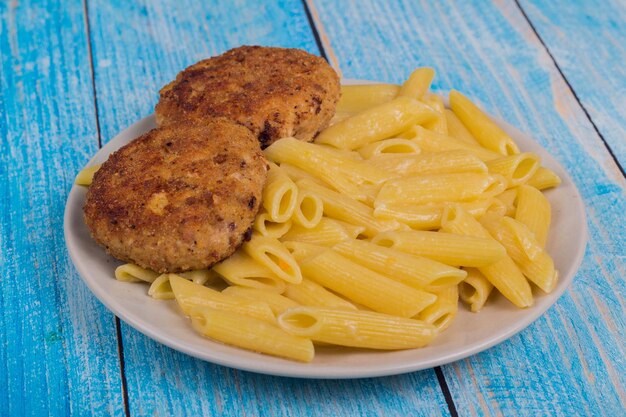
442	312
134	273
265	226
427	216
411	270
380	122
486	132
503	274
161	289
190	296
342	207
240	269
309	210
352	230
297	174
277	302
310	293
364	286
418	83
85	176
327	233
447	162
475	289
517	169
362	329
544	178
249	333
495	206
430	141
270	253
280	195
524	249
356	98
435	188
456	129
448	248
200	276
508	199
439	123
533	209
302	250
392	146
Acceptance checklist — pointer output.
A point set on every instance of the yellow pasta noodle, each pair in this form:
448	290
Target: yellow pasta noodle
456	129
442	312
161	289
280	195
439	123
265	226
393	146
517	169
418	83
356	98
327	233
85	176
270	253
309	210
533	209
446	162
134	273
475	289
241	269
544	178
277	302
363	329
430	141
310	293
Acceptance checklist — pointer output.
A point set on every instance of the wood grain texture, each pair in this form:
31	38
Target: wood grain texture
588	42
570	362
137	48
58	351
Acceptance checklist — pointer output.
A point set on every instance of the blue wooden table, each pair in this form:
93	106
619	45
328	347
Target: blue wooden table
73	73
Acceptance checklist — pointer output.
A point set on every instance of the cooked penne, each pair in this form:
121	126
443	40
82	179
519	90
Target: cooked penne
85	176
363	329
495	206
342	207
446	162
380	122
517	169
439	123
327	233
200	276
364	286
475	289
411	270
418	83
250	333
302	250
310	293
297	174
309	210
356	98
280	195
430	141
394	146
544	178
442	312
134	273
277	302
503	274
240	269
456	129
448	248
265	226
533	209
486	132
190	296
270	253
160	289
435	188
508	199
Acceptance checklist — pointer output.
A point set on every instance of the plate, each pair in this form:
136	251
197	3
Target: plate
469	334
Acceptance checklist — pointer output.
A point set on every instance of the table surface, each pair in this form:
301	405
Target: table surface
74	73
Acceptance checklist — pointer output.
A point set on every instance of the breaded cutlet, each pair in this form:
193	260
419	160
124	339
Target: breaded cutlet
179	197
274	92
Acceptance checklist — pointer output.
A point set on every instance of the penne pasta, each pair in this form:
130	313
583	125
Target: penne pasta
250	333
446	162
544	178
270	253
309	210
442	312
392	146
517	169
356	98
475	289
160	289
411	270
134	273
447	248
277	302
240	269
533	210
486	132
364	286
418	83
280	195
508	199
327	233
456	129
200	276
311	294
439	123
265	226
430	141
380	122
301	250
363	329
85	176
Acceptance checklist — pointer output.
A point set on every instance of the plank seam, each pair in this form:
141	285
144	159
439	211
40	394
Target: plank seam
316	35
446	392
91	68
584	109
120	353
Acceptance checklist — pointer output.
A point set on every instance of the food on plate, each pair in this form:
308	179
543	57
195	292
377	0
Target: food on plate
274	92
180	197
371	236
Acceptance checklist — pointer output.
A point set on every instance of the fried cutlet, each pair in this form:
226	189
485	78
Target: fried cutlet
180	197
274	92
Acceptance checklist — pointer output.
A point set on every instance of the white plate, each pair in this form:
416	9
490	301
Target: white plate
469	334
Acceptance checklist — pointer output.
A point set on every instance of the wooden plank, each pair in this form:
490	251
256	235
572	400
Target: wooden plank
58	351
594	67
569	361
138	48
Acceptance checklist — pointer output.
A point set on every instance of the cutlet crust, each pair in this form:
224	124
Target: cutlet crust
274	92
179	197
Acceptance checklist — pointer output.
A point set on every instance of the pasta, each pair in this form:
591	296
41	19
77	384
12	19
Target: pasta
373	235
